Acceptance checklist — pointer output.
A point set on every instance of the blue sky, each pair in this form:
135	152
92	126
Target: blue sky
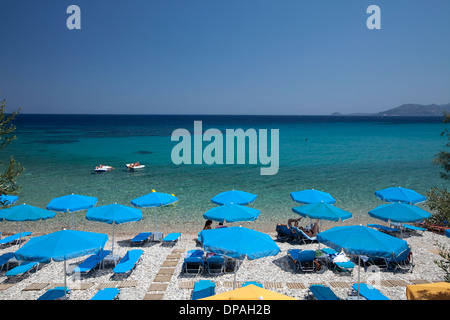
223	56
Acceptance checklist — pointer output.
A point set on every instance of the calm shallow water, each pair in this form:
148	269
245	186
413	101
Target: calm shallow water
349	157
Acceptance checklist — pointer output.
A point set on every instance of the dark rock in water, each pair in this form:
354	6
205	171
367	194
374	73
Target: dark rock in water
144	152
54	141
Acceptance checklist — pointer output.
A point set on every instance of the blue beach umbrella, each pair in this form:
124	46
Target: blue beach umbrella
62	246
72	203
25	212
239	243
8	200
154	199
232	213
312	196
399	212
360	240
234	196
322	211
114	214
399	194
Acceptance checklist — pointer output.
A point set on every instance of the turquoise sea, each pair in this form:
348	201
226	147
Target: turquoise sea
349	157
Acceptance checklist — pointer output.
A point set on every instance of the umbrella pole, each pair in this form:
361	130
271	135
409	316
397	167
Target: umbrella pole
20	237
65	281
114	227
156	221
359	272
235	271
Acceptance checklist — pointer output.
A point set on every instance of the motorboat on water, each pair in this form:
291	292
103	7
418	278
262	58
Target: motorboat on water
135	166
102	168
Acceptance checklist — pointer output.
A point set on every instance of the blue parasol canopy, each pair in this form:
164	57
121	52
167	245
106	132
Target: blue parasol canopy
114	213
399	194
234	196
25	212
399	212
232	213
154	199
72	203
361	240
61	245
312	196
239	243
323	211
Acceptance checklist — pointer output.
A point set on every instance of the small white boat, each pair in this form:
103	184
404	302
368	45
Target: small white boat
135	166
102	168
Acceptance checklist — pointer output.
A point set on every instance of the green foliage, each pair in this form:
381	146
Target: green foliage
438	200
8	179
444	264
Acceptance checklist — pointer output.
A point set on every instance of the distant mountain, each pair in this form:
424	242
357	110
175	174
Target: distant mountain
408	110
417	110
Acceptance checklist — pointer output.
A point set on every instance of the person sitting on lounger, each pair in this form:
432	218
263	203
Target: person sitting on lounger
208	224
313	231
221	225
295	221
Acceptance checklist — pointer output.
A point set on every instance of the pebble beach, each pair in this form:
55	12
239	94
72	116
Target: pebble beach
159	275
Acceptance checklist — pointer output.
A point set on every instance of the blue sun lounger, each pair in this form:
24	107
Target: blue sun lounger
107	294
215	264
369	292
284	233
128	262
14	238
21	269
193	262
55	294
203	289
91	262
303	259
4	259
321	292
171	238
383	228
141	238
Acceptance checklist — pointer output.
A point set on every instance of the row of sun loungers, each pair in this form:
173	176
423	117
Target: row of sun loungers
366	292
143	237
59	293
206	288
197	261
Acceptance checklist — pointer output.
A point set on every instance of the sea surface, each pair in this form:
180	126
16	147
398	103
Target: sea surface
349	157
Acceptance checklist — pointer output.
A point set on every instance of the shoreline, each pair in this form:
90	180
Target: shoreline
148	225
275	273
